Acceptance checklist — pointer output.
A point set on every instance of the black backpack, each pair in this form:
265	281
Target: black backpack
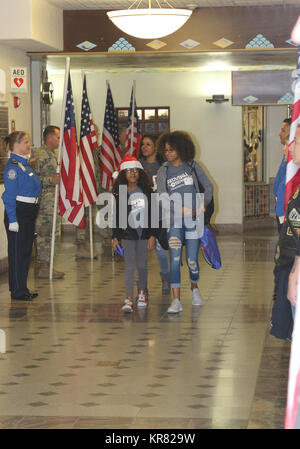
211	205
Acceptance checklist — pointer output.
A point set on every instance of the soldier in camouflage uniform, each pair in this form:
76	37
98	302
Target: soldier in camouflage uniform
44	161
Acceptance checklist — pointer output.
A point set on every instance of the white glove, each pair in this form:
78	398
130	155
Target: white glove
14	227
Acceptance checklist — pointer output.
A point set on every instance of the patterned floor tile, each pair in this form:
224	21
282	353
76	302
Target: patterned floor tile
218	366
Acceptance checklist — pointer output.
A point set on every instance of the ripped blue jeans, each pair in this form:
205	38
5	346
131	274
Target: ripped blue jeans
176	238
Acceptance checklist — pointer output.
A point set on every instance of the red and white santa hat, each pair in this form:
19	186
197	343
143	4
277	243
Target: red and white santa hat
128	161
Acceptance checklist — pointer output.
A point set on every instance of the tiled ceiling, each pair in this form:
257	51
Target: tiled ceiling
123	4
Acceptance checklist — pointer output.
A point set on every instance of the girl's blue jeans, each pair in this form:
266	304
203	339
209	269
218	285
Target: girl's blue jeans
176	238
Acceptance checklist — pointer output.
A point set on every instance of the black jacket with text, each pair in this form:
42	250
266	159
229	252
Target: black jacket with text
127	232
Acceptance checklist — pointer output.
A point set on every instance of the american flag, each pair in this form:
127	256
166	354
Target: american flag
86	151
70	193
110	151
133	135
292	180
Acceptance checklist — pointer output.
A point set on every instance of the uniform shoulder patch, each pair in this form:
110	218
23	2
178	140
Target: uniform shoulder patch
294	215
11	174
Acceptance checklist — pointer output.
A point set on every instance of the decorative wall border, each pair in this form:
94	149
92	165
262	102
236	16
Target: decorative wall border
209	29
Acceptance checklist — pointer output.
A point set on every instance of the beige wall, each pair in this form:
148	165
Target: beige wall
216	129
33	25
12	57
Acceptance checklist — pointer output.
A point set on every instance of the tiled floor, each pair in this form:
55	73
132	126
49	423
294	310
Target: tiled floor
74	360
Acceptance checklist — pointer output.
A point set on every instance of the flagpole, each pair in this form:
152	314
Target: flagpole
90	206
91	232
132	117
58	165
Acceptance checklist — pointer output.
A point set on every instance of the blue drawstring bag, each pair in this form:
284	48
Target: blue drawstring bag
210	248
120	250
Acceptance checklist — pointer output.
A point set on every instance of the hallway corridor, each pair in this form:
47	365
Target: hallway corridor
74	361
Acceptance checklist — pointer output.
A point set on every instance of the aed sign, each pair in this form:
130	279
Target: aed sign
18	79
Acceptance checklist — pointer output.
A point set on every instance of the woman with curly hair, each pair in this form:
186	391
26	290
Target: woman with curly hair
182	175
151	160
135	235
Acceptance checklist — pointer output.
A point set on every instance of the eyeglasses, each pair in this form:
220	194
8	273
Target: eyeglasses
132	170
168	150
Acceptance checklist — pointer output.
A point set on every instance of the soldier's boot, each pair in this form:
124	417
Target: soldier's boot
43	272
83	253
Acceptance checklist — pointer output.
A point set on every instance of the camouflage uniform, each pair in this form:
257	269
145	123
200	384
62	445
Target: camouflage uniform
44	162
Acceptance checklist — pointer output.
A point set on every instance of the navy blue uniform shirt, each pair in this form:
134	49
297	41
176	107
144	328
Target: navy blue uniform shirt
19	179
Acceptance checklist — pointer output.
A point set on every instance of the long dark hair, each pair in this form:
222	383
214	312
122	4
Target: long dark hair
179	141
154	138
144	182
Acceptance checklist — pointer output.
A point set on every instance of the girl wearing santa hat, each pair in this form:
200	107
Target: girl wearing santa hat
136	237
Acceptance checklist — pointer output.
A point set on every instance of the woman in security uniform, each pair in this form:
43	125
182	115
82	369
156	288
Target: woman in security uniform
22	191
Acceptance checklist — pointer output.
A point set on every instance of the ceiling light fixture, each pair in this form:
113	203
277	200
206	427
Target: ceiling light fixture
149	23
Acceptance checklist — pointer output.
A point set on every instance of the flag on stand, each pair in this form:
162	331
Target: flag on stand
86	151
292	180
110	151
70	192
133	135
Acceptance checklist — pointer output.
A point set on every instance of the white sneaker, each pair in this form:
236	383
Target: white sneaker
175	306
142	299
128	306
196	297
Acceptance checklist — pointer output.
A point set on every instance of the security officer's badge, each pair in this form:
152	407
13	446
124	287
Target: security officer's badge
11	174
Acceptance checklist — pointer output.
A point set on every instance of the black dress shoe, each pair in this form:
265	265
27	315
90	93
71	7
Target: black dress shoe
25	297
32	294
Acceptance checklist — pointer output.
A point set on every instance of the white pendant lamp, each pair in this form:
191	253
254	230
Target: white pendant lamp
149	23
